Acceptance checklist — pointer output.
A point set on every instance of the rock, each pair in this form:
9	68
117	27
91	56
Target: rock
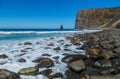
66	45
71	58
44	62
106	77
27	43
77	66
56	75
46	72
57	48
51	44
67	50
6	74
24	50
72	75
22	60
46	55
56	57
3	56
117	50
28	71
116	62
103	64
107	55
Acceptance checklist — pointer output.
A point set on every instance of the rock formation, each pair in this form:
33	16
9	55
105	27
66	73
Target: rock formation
98	18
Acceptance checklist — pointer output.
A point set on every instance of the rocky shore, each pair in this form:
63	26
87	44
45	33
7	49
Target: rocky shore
100	61
102	56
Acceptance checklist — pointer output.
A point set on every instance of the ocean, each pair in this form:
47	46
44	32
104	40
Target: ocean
20	34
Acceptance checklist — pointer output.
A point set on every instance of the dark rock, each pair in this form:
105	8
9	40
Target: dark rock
71	58
6	74
29	71
66	45
56	75
51	44
22	60
56	57
57	48
67	50
72	75
46	55
46	72
27	43
3	56
44	62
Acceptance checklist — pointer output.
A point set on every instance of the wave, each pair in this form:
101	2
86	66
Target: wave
44	32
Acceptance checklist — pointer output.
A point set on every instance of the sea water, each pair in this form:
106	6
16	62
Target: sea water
11	38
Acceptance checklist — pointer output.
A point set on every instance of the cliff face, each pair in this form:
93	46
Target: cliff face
98	18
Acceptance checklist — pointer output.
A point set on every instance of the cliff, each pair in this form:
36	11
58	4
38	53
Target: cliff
98	18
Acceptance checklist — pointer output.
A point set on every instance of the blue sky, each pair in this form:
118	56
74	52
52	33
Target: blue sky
46	13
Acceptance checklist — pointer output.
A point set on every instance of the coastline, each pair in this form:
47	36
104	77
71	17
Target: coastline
60	52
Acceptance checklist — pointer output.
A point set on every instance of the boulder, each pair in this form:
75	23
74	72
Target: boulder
28	71
6	74
3	56
46	72
27	43
51	44
57	48
72	75
46	55
22	60
103	64
44	62
56	75
77	66
71	58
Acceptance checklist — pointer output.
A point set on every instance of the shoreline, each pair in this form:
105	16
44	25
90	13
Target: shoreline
63	55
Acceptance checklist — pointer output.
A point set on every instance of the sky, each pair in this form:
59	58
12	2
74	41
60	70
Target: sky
46	14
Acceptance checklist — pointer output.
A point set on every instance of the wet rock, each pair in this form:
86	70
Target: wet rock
67	50
24	50
6	74
28	71
46	72
3	56
66	45
56	75
57	48
46	55
27	43
44	62
2	63
51	44
77	66
72	75
71	58
22	60
56	57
